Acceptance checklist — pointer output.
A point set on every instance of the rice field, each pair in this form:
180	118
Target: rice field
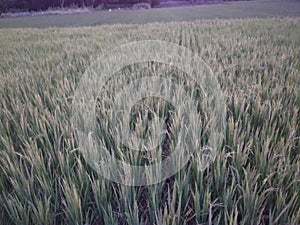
254	178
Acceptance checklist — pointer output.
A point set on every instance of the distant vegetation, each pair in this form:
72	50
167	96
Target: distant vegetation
69	17
38	5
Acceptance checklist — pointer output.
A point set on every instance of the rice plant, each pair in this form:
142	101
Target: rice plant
254	179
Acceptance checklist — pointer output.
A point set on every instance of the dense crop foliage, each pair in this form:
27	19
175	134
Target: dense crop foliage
254	179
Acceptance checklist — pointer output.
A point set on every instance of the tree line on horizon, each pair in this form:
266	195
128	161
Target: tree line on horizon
40	5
